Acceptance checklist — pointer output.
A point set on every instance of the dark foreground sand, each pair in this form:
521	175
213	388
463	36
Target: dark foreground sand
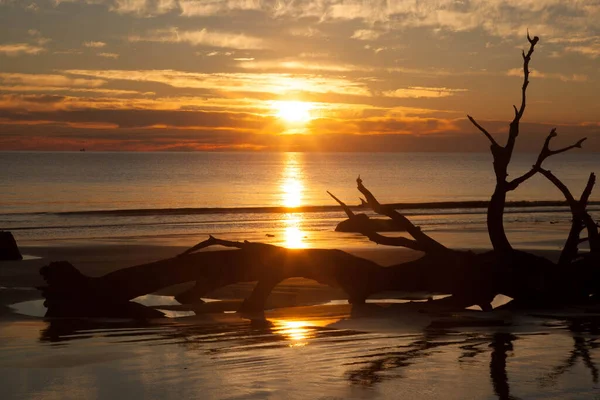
300	352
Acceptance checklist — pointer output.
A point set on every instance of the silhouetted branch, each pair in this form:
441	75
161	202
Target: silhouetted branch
544	154
526	59
580	218
212	241
393	241
590	224
376	237
346	209
426	243
484	131
502	156
585	196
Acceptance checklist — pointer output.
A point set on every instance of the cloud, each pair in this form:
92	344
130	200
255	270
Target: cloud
202	37
114	56
17	49
416	92
112	92
95	45
551	75
501	18
585	45
194	8
592	50
47	80
271	83
278	65
143	8
144	118
366	34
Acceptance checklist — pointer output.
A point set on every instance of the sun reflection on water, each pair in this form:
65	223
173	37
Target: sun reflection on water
292	186
292	190
299	332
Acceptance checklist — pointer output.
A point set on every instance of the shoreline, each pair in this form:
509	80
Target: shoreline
18	279
437	205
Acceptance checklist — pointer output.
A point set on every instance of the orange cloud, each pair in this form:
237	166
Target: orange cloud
16	49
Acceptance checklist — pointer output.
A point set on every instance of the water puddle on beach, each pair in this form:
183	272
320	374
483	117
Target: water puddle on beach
317	352
36	308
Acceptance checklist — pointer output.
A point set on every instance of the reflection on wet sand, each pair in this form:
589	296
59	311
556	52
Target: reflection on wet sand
581	329
369	359
294	236
501	345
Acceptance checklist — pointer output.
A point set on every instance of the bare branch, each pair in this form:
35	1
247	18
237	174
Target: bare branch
573	204
393	241
514	125
346	209
426	243
213	241
544	154
502	156
512	185
580	217
376	237
585	196
484	131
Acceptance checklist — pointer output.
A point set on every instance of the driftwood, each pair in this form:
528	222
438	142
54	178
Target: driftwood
71	293
470	278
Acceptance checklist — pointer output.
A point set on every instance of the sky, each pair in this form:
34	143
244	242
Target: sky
294	75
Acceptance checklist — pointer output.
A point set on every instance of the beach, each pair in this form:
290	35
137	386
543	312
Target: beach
309	343
299	199
304	346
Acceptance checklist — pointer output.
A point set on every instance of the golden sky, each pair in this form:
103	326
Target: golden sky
303	75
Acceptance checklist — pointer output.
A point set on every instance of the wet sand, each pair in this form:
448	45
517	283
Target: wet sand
307	351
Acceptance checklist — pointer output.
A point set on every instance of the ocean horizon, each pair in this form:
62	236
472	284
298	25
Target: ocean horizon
275	197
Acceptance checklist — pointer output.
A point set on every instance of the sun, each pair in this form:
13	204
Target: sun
295	112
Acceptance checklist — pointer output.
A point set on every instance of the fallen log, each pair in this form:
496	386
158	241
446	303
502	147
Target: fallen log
70	293
363	222
470	278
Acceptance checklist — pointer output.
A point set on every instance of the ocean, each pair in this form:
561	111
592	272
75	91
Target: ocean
53	202
278	198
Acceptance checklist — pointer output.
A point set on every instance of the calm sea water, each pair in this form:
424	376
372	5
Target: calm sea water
390	356
40	191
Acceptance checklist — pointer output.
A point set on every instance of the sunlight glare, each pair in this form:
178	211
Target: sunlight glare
295	112
294	237
292	189
291	181
298	332
292	192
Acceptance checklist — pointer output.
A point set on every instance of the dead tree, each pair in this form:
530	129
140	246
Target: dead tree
518	274
470	278
502	156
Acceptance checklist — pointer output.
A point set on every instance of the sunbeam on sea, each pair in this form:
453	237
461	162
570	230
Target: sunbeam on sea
275	197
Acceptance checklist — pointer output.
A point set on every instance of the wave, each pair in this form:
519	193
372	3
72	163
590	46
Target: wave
463	206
